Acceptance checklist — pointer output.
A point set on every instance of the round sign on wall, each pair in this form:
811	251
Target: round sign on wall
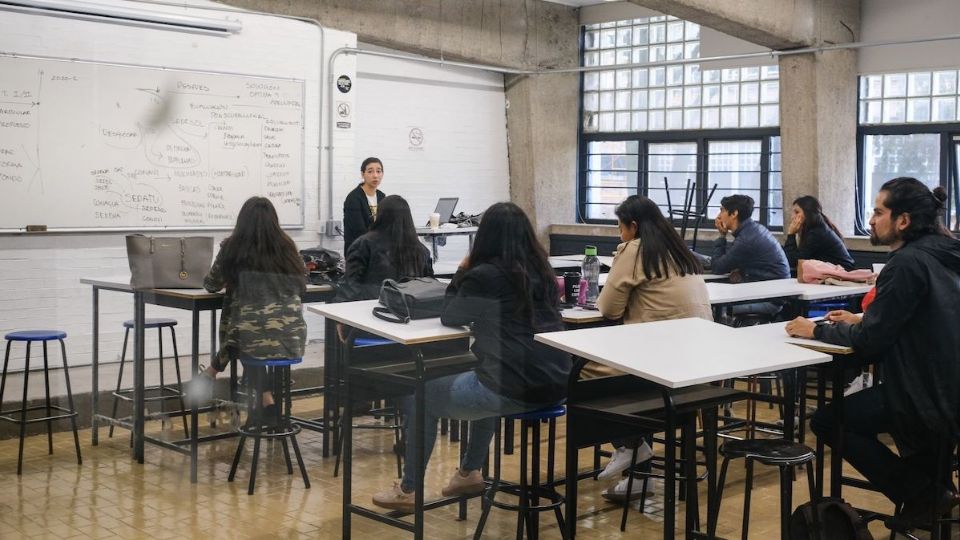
344	84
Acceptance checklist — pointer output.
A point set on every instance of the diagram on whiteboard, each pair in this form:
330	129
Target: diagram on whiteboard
88	145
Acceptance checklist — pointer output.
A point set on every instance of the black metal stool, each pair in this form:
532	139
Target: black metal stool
163	391
939	526
779	452
257	425
528	509
30	336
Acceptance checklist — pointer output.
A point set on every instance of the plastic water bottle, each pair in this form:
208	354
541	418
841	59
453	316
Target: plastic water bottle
591	275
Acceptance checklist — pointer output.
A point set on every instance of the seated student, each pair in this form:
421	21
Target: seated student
811	235
506	291
263	274
911	328
654	277
390	250
754	255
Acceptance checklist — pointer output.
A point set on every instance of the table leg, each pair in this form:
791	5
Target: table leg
470	240
836	451
570	494
789	403
436	253
670	471
421	405
821	447
95	387
347	450
689	442
194	411
138	382
710	450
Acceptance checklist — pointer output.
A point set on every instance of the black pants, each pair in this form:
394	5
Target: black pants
866	416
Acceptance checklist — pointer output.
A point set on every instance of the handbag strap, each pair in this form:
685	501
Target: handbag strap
183	258
385	314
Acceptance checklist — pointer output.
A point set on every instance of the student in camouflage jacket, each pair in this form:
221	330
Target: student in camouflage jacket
263	276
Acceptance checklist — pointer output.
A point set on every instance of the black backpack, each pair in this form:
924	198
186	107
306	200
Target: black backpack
837	520
322	265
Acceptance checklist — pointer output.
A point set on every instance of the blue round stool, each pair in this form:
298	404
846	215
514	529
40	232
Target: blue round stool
529	492
259	377
162	391
43	336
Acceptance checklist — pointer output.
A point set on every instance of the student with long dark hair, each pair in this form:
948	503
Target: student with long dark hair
360	206
506	291
654	277
811	235
263	275
390	250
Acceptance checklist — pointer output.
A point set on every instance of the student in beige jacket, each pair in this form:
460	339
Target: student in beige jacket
654	277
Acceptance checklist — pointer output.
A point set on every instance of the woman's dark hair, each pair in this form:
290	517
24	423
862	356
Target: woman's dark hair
661	248
505	238
258	244
813	215
368	161
907	195
396	224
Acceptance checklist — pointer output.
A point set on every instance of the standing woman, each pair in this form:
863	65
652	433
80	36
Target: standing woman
654	277
360	206
390	250
811	235
506	291
263	274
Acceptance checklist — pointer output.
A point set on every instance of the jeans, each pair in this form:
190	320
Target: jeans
865	415
459	397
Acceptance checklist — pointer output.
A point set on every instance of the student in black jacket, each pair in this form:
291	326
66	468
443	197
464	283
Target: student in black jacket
811	235
911	327
506	291
360	206
390	250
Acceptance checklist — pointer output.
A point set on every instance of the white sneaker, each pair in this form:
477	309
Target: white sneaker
618	492
621	461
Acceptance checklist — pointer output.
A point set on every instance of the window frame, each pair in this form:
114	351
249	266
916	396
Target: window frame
947	131
701	138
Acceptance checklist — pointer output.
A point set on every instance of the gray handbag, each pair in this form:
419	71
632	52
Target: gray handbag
168	263
410	298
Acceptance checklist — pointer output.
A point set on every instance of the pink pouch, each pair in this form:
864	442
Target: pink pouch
814	271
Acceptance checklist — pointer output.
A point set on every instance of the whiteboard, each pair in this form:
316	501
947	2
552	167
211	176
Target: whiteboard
94	146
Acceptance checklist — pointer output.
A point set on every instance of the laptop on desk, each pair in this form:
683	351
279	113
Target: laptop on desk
445	207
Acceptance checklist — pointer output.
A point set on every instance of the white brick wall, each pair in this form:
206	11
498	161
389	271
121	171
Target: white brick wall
39	274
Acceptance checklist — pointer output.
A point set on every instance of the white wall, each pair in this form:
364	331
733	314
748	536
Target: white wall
39	274
461	114
886	20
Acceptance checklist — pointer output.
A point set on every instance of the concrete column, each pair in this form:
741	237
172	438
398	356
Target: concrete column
818	125
542	146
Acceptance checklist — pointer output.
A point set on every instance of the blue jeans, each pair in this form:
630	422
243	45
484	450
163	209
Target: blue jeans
459	397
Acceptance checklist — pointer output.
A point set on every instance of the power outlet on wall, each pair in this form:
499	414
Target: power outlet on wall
333	228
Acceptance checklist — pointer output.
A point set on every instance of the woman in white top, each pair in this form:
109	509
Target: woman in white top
360	206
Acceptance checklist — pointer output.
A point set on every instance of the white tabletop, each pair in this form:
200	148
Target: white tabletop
814	291
445	231
776	331
605	260
123	284
360	315
728	293
682	352
580	315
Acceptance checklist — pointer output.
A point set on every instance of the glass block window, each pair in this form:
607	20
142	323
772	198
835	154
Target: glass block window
921	97
660	96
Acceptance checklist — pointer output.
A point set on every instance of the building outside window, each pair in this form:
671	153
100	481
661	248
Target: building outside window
650	129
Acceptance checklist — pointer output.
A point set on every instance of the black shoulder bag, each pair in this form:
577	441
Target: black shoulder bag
410	298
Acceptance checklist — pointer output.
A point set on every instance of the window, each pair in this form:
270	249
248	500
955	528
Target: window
617	169
646	127
908	127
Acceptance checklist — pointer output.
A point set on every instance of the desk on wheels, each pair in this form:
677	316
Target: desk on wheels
193	300
434	234
676	354
392	377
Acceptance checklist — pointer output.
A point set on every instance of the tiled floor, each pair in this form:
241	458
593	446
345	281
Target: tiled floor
110	496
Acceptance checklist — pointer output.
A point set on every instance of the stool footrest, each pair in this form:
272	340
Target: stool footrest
68	414
556	499
127	393
270	432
